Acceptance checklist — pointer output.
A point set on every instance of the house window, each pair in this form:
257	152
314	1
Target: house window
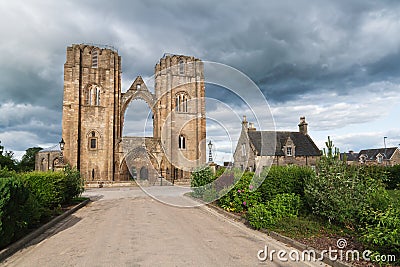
380	159
362	159
289	151
94	59
243	150
181	67
182	142
181	102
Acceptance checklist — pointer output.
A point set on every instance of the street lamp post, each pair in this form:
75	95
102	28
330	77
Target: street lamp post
384	143
210	145
62	144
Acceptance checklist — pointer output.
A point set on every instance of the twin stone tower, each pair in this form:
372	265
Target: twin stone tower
94	109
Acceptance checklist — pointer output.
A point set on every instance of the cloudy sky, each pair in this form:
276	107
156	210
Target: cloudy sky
335	62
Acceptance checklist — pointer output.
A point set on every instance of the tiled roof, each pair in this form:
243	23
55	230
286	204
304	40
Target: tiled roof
268	143
349	156
372	153
51	149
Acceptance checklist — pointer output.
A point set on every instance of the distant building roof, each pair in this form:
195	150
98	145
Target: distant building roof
55	148
371	154
264	143
350	156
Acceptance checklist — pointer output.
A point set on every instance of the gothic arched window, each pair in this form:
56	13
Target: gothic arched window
93	96
181	102
182	142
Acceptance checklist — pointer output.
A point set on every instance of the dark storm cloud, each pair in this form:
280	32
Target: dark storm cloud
291	49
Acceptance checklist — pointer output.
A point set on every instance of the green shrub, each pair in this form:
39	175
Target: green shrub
342	193
210	194
74	184
200	178
241	195
382	231
6	173
260	217
284	179
283	206
18	210
48	187
393	179
52	189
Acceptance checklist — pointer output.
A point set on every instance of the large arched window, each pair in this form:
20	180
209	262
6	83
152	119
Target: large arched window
95	55
181	67
182	142
93	96
181	102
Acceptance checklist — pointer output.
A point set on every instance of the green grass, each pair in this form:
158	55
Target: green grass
307	226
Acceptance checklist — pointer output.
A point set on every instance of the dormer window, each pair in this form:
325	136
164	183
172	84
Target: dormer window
379	158
362	159
289	148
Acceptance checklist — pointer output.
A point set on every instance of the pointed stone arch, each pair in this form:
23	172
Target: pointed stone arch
138	90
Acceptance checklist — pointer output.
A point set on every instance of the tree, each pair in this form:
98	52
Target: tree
7	159
27	162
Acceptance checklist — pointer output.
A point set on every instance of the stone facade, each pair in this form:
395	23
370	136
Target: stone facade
48	159
258	149
93	117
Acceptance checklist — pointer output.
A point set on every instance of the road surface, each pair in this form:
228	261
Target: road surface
125	227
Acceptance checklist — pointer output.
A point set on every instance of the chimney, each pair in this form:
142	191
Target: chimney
303	126
251	127
244	122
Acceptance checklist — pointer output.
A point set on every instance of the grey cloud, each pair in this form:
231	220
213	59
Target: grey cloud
290	49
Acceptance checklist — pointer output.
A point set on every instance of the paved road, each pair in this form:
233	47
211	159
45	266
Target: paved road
125	227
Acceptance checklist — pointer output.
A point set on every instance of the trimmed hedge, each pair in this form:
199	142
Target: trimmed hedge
284	179
18	210
29	198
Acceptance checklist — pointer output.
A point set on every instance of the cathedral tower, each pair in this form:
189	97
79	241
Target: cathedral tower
91	108
180	118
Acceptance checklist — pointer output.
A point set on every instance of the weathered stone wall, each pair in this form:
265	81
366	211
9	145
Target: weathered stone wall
88	114
47	160
93	116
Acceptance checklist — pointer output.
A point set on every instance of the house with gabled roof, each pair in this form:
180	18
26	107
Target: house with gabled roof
379	156
258	149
